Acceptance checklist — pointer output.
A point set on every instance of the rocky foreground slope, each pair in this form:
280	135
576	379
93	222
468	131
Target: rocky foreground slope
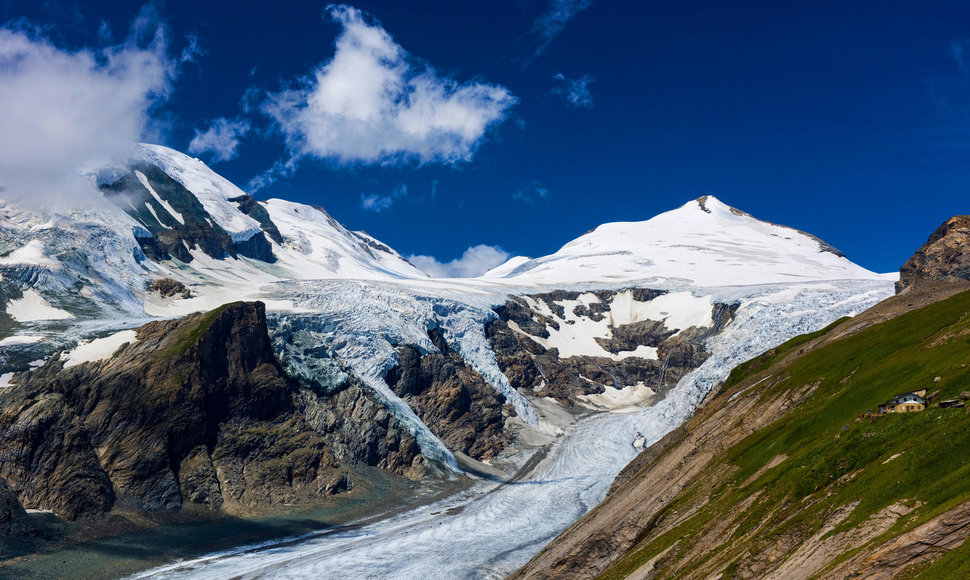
785	472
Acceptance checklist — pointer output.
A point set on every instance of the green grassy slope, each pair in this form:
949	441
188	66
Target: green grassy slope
836	456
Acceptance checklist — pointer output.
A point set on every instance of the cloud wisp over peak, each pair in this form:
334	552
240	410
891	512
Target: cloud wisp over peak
64	110
475	261
221	139
378	203
373	103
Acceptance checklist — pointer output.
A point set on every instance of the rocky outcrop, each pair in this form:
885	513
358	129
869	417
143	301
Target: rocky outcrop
944	257
249	206
522	322
13	517
452	399
941	534
168	287
176	222
194	410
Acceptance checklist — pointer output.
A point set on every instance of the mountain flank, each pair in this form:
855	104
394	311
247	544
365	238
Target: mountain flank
788	471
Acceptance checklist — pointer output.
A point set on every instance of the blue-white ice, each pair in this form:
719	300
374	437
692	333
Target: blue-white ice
501	526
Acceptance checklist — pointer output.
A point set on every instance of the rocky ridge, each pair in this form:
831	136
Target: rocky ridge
175	221
452	399
944	257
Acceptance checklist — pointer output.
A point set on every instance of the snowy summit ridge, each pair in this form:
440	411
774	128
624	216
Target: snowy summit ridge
703	243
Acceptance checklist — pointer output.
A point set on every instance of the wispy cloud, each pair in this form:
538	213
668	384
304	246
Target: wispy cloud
379	203
575	91
532	192
474	262
551	23
193	49
64	110
372	103
221	138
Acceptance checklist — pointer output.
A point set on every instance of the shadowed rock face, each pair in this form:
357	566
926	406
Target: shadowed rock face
197	409
172	237
249	206
453	400
529	365
944	257
13	517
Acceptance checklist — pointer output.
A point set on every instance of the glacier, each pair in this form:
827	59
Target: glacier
491	529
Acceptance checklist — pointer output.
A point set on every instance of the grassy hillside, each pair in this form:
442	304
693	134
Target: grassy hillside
825	476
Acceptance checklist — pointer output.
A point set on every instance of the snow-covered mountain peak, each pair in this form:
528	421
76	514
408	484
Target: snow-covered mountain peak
212	190
704	242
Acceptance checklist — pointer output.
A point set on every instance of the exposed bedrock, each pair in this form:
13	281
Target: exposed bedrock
194	410
452	399
944	257
644	352
176	222
13	517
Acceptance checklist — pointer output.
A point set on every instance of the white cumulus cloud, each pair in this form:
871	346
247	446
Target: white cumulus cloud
221	138
374	103
474	262
62	111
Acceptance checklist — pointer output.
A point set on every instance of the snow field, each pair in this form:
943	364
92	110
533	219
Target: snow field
33	307
98	349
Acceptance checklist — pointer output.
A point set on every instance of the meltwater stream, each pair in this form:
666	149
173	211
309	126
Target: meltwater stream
490	530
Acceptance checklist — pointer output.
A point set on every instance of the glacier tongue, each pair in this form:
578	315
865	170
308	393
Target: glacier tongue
363	322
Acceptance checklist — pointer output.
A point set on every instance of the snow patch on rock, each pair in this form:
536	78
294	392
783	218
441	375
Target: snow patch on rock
98	349
32	254
32	307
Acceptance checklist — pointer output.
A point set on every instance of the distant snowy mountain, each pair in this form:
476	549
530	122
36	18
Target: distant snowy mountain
702	243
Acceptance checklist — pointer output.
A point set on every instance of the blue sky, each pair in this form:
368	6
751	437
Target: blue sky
441	126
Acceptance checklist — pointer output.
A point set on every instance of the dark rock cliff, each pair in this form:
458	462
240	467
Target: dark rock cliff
529	365
195	410
944	257
453	400
13	517
171	236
